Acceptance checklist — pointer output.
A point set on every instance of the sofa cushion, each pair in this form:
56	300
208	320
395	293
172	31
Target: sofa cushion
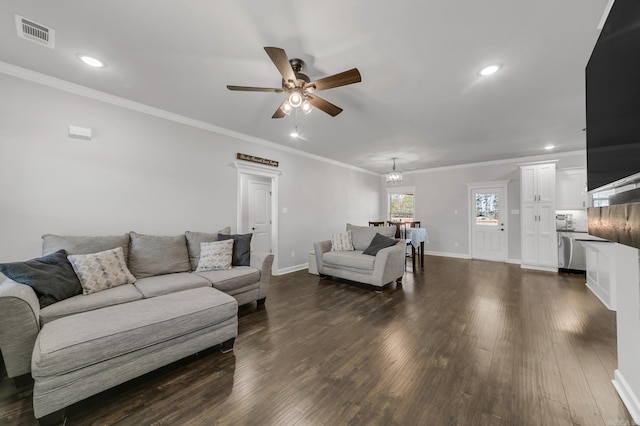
241	248
89	338
156	255
361	236
350	259
81	303
50	276
341	241
378	243
84	245
102	270
193	243
231	279
170	283
215	256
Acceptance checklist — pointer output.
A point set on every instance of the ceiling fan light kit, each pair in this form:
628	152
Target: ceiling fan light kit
299	87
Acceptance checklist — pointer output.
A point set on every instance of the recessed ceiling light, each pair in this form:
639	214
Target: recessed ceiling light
491	69
91	61
549	147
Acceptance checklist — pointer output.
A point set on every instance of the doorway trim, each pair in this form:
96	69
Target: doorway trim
246	171
472	186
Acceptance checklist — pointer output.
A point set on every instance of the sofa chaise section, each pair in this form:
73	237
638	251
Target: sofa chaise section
87	353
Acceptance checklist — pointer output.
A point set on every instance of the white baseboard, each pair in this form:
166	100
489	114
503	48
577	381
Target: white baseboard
595	291
627	395
539	268
290	269
514	261
444	254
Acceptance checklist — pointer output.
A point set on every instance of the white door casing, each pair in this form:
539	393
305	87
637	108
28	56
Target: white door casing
247	171
488	236
260	215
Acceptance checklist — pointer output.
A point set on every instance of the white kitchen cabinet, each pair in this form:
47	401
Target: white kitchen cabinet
571	189
539	244
538	182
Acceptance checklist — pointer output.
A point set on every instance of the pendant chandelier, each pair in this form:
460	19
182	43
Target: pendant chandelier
394	176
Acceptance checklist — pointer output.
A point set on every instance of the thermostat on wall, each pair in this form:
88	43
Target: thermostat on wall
80	133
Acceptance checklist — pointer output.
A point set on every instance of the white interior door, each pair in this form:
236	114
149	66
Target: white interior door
488	224
260	215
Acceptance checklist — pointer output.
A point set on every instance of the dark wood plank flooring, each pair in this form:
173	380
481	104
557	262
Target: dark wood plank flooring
458	343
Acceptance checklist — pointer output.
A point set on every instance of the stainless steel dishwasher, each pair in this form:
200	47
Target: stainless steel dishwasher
571	253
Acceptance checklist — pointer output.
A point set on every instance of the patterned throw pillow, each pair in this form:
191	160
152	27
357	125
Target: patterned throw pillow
215	256
341	241
102	270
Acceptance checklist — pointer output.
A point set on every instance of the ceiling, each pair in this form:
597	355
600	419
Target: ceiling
421	98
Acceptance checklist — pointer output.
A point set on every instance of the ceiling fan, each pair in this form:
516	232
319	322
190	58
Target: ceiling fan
298	86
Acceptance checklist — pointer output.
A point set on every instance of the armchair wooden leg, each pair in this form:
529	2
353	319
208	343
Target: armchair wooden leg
57	418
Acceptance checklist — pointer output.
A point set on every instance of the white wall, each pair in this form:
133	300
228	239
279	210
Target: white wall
149	174
442	192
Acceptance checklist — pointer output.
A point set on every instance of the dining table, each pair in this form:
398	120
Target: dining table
417	237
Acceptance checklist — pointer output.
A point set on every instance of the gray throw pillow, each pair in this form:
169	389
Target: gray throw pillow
51	277
194	239
152	255
378	243
241	248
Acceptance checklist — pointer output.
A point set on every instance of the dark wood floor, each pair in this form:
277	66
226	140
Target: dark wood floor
460	343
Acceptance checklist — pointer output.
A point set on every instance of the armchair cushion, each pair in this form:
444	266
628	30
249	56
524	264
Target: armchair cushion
361	236
349	259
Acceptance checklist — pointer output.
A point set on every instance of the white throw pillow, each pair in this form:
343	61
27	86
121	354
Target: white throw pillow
215	256
341	241
102	270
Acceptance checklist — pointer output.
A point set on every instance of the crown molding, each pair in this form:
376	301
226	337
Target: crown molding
76	89
542	158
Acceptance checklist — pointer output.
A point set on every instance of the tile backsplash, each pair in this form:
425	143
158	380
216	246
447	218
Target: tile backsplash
579	218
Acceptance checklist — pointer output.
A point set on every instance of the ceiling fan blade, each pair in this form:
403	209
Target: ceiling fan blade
337	80
279	112
280	60
254	89
324	105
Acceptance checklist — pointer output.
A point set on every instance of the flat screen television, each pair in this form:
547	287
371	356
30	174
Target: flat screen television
613	99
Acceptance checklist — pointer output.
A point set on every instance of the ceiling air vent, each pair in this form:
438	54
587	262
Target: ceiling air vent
32	31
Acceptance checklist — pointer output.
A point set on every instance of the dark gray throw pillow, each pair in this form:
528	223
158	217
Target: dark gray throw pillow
378	243
52	277
241	248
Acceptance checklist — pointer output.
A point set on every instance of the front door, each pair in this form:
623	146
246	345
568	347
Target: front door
260	215
488	224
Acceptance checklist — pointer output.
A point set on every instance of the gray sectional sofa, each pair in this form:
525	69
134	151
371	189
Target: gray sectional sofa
85	344
385	267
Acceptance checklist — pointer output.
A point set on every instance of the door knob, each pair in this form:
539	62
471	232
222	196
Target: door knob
253	229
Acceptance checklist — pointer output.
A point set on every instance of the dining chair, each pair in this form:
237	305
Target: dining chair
376	223
400	227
